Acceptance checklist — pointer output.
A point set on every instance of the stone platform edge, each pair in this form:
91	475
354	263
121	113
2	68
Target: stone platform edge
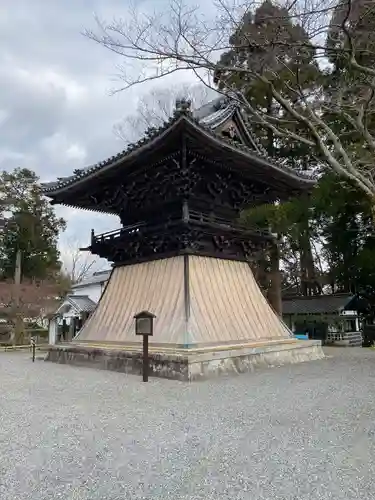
189	366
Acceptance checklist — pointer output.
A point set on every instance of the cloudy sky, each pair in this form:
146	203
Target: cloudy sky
56	109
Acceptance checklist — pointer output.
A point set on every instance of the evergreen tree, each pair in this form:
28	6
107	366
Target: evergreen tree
292	222
251	48
343	219
31	227
352	33
272	22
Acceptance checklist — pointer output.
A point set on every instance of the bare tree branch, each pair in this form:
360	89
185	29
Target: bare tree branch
79	265
157	106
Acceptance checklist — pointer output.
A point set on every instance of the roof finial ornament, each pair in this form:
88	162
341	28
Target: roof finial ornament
183	106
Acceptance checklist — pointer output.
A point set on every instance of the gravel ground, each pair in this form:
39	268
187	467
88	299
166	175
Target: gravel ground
297	432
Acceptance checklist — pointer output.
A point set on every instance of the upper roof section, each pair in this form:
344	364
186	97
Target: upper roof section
219	122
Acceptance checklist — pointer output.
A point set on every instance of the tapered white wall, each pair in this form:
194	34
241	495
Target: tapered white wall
224	304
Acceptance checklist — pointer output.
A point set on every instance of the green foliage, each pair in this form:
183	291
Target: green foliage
343	217
360	20
287	65
280	218
292	222
337	220
32	227
340	224
349	87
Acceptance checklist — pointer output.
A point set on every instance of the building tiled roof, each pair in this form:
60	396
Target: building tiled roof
81	303
322	304
207	118
95	279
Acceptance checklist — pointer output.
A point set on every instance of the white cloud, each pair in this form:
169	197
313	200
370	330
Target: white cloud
47	80
4	115
61	150
7	155
76	153
56	112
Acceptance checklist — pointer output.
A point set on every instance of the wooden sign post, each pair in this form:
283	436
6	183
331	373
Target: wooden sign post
144	325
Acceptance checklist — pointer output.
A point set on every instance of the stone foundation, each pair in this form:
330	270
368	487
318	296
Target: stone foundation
189	364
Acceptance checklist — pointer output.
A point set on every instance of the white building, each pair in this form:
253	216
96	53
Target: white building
93	286
77	306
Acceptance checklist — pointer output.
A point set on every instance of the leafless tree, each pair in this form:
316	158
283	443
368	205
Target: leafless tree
29	299
78	264
184	38
157	106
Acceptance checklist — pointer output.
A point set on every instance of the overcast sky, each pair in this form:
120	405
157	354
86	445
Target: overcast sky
56	111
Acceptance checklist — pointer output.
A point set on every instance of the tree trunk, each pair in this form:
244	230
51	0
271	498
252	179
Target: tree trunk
309	282
373	210
19	330
18	320
274	292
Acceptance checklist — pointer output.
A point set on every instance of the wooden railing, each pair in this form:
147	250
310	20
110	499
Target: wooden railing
205	219
116	233
195	217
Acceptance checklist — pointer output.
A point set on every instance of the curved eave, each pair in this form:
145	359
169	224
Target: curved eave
288	176
218	118
249	138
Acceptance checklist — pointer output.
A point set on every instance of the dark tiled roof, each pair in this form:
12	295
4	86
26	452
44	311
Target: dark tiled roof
323	304
208	117
82	303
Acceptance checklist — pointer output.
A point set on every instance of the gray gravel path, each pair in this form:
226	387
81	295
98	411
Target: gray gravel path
299	432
